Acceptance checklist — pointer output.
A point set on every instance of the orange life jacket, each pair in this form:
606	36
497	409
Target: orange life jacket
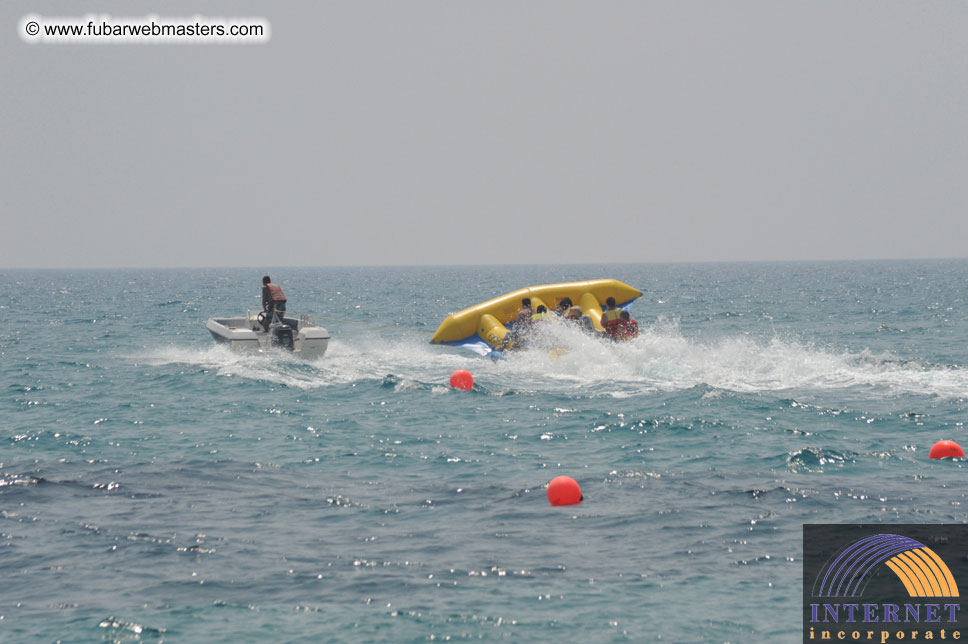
275	292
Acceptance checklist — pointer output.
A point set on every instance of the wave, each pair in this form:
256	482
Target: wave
565	359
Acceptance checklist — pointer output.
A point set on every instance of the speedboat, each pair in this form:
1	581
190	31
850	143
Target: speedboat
298	335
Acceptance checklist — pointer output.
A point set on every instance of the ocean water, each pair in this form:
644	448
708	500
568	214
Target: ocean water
155	487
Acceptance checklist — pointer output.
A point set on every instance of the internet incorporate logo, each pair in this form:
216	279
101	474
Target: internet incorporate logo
862	583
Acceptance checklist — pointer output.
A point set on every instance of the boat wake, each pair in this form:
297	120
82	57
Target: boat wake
564	359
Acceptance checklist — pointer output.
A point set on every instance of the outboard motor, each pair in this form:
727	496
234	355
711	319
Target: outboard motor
282	337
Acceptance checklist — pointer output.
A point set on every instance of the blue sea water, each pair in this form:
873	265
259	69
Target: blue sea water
155	487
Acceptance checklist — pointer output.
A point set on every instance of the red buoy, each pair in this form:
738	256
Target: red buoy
947	449
564	490
462	379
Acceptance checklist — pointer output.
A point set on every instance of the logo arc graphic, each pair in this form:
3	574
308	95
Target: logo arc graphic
920	569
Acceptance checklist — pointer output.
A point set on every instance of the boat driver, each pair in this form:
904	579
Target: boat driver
273	302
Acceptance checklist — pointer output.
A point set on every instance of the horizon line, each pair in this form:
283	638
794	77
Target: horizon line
538	264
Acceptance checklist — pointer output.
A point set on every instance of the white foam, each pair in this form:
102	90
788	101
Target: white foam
564	358
662	358
275	367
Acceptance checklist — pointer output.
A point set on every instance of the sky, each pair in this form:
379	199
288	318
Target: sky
499	132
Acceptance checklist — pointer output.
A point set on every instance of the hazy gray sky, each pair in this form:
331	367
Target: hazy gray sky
456	132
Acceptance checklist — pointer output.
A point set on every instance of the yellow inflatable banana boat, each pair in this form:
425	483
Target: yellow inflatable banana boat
483	327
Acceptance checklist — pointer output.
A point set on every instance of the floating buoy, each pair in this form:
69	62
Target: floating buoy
947	449
462	379
564	490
